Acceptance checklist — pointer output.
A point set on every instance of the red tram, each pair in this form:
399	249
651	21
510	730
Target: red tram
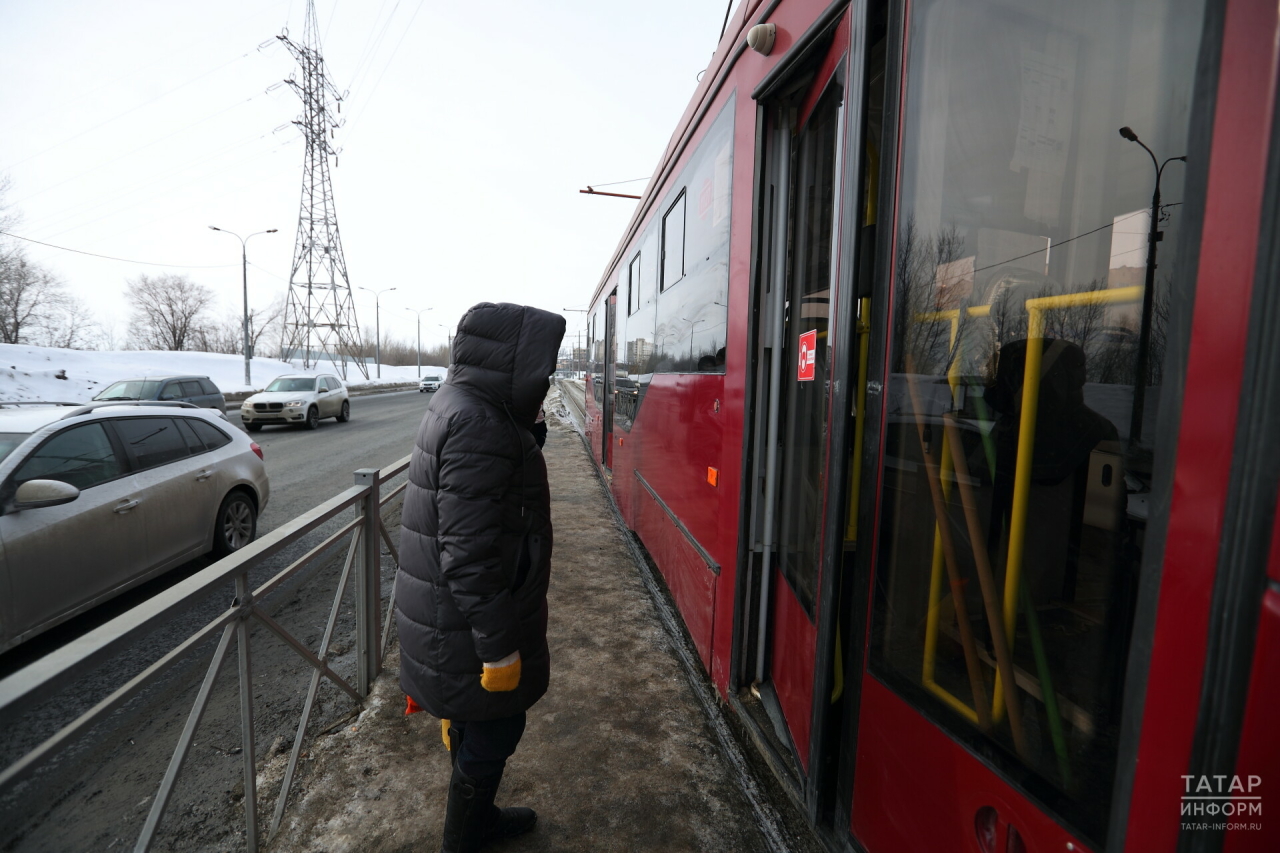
938	374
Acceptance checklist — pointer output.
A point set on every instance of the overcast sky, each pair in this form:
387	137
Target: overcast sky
128	128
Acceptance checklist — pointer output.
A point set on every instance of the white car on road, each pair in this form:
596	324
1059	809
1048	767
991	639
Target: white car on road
301	399
96	499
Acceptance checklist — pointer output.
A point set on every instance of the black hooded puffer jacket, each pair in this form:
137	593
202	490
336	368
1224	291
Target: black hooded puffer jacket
475	541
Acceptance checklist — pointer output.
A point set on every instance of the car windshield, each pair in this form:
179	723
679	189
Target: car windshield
286	384
10	440
131	389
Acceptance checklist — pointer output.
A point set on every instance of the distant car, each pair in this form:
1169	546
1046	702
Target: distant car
197	390
429	383
302	400
96	499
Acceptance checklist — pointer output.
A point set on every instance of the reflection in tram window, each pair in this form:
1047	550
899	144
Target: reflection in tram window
1026	372
595	354
683	328
633	285
673	243
692	316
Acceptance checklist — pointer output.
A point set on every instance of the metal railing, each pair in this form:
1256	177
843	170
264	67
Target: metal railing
61	668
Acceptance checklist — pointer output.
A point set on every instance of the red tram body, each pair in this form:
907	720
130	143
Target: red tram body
939	356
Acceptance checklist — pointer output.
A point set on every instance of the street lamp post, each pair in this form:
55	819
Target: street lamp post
576	360
1154	235
692	325
448	336
419	313
377	324
244	277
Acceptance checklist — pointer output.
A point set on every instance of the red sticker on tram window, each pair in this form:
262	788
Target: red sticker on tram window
808	356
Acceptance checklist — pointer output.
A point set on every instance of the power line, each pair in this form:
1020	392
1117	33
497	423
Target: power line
392	59
123	114
1051	245
122	260
117	201
133	151
616	183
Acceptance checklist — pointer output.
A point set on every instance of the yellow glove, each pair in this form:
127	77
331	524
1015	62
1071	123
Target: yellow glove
444	734
502	676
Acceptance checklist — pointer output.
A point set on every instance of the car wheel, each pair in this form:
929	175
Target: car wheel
346	412
253	427
313	418
236	524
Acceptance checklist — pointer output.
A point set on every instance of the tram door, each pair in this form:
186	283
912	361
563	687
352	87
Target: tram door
1018	407
800	209
610	378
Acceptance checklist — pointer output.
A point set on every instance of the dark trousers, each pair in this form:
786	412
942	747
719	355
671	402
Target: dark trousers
487	744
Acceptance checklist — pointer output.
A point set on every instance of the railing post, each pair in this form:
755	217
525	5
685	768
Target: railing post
369	585
244	599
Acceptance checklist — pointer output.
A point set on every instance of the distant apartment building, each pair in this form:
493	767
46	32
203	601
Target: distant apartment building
639	351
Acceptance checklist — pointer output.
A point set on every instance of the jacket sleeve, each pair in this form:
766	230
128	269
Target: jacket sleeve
477	464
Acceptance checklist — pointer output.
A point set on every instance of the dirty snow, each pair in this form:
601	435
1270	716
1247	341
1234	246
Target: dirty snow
32	373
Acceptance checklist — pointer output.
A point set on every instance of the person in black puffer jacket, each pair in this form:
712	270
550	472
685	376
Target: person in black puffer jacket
475	557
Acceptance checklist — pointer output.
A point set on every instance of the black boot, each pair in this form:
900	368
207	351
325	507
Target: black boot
508	822
472	820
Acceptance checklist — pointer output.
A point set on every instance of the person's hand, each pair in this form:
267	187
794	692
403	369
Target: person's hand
502	676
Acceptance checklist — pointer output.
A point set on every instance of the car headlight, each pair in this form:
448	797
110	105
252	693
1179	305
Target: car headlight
294	403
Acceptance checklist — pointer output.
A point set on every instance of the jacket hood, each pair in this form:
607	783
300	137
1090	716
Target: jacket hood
507	354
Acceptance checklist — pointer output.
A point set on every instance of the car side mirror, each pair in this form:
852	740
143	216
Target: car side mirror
36	494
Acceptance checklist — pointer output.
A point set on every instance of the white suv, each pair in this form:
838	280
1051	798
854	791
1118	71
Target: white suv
300	399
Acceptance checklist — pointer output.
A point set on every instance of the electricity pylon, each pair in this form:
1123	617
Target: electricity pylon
320	317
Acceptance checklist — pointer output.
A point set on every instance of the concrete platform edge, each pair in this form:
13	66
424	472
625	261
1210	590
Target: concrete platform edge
768	820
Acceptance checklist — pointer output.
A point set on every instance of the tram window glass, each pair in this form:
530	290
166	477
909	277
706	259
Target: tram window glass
811	226
636	350
691	327
633	285
1021	238
595	352
673	243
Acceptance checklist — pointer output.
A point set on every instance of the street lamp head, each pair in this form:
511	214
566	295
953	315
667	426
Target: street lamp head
271	230
1127	133
214	228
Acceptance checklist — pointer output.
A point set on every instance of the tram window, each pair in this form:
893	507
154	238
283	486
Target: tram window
633	285
673	243
1018	243
691	326
811	224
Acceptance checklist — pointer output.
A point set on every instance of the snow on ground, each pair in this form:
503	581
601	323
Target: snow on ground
31	373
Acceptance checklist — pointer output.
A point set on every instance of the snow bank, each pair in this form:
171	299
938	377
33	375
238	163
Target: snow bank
32	373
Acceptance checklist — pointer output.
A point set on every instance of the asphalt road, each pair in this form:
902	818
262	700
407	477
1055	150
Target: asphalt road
306	468
94	795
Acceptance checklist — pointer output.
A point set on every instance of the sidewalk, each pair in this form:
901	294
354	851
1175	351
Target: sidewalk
618	756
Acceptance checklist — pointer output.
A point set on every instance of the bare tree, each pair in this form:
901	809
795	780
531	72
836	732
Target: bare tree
31	298
263	323
168	311
71	327
222	336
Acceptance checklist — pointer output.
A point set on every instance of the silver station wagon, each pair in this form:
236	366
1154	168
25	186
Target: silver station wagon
98	498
